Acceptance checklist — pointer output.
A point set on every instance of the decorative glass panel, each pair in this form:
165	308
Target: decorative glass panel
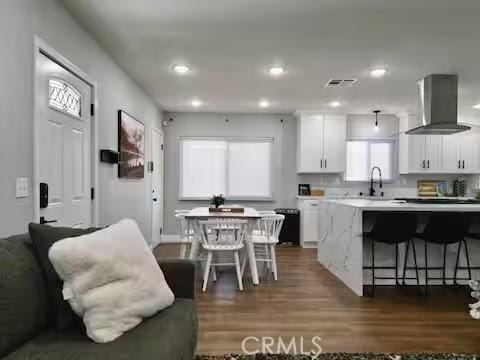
64	97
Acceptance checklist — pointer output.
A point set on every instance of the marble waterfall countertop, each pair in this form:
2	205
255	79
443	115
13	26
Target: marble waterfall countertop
342	249
399	205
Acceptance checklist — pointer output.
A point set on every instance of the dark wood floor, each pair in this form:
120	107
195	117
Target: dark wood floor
308	301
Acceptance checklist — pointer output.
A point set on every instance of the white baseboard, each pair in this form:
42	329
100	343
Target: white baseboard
169	239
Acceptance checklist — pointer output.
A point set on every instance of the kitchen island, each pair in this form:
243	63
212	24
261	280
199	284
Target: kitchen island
341	247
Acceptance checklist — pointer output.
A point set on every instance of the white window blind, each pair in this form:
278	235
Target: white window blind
362	156
237	168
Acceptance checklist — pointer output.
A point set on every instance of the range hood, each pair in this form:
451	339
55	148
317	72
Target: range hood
437	106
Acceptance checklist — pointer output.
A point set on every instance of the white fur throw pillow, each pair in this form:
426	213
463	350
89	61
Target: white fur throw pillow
111	279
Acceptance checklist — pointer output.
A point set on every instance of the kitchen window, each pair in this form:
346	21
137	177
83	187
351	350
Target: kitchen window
240	169
362	156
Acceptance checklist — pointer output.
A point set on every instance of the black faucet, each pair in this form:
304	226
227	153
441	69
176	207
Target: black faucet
372	190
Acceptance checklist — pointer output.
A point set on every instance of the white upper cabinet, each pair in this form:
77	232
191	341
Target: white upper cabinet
310	143
433	153
461	152
321	143
447	154
335	143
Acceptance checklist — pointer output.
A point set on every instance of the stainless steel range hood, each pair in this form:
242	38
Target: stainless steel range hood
437	106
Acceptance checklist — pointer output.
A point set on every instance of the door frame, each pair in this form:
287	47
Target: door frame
41	47
159	131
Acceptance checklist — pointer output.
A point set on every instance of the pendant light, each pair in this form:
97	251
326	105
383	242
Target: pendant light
376	112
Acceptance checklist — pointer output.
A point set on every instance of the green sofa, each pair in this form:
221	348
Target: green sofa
26	334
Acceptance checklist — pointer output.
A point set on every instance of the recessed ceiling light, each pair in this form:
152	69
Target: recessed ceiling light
335	104
378	73
181	69
196	103
276	70
264	103
476	106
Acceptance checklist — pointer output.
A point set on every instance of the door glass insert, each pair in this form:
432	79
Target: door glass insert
64	97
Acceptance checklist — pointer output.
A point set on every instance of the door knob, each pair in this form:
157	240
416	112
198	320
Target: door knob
43	221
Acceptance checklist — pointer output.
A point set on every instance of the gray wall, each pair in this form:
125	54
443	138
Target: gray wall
239	125
20	20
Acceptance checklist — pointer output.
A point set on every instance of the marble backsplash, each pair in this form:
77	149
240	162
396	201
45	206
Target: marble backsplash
404	186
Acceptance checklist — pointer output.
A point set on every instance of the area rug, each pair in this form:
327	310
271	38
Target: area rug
343	356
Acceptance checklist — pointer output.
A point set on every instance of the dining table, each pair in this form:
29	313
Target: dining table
203	213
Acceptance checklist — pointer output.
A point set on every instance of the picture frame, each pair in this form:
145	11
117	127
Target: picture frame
131	146
304	189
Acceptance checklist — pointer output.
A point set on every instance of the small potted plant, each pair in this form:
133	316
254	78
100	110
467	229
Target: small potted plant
217	200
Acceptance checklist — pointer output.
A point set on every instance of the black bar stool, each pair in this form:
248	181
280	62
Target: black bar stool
444	228
473	234
393	228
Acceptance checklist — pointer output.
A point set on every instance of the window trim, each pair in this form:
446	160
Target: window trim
394	159
228	140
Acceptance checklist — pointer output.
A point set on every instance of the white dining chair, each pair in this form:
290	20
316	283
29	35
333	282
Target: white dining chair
185	234
266	212
265	238
220	236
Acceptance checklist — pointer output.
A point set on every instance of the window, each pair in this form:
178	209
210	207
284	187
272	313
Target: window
64	97
238	168
362	156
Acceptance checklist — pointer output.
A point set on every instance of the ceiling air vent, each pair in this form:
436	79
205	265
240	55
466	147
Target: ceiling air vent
340	82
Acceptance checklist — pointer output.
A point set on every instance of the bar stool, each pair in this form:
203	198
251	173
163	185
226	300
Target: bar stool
393	228
444	228
474	222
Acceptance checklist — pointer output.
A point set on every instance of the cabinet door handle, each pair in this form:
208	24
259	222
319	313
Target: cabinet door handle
423	164
428	164
459	161
463	162
326	163
321	163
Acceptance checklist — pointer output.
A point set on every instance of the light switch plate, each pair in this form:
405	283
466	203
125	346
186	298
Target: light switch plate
22	190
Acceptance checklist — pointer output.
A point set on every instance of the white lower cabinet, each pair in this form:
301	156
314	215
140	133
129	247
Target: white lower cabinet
309	222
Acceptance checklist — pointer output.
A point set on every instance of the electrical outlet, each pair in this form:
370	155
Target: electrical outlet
22	190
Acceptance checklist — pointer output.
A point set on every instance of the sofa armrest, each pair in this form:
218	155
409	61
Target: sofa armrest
180	276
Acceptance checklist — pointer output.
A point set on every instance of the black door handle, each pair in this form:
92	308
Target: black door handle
43	221
155	199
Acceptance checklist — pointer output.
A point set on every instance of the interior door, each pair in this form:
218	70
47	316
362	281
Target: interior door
63	151
157	186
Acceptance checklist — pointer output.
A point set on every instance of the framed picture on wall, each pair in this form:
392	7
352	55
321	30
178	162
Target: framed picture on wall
131	147
304	189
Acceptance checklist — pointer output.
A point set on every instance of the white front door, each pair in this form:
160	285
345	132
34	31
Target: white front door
63	146
157	186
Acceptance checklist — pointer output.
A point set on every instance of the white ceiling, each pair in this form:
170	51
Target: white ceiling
229	45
